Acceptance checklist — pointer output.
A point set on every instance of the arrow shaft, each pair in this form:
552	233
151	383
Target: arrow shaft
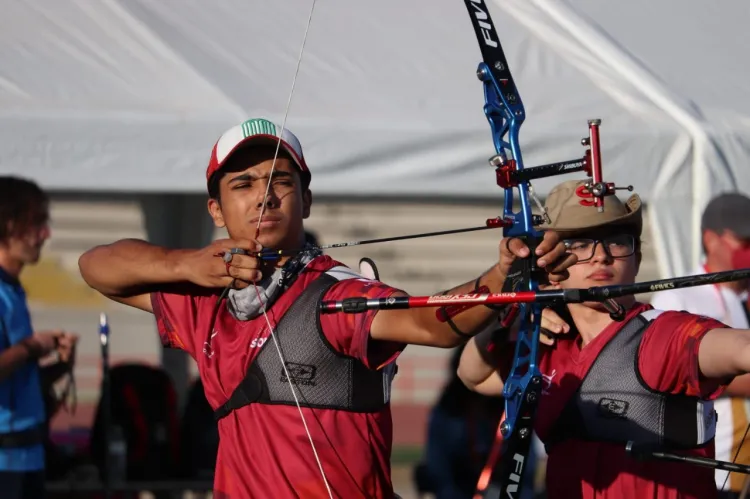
361	304
602	294
272	254
409	236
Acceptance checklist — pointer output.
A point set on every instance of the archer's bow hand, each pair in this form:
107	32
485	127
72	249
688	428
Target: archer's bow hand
552	256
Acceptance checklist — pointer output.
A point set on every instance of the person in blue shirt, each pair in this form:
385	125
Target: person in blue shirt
24	227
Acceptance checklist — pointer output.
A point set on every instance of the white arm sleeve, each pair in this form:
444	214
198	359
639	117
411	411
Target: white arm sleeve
667	300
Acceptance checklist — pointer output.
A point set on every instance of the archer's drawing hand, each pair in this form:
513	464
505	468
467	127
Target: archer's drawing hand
206	267
552	255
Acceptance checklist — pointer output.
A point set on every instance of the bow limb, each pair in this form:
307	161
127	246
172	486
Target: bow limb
505	113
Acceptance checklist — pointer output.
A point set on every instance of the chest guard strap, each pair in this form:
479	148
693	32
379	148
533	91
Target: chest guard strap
322	377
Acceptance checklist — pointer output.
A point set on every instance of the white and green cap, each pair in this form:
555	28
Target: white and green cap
257	129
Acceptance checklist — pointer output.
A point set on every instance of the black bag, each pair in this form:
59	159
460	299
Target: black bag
144	406
200	437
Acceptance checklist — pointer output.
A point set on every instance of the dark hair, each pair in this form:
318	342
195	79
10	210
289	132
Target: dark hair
23	205
311	238
213	184
232	163
629	229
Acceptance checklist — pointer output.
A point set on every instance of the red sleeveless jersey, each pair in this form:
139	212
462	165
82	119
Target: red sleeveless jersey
667	362
264	450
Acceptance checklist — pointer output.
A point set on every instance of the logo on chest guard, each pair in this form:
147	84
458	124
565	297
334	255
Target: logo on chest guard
611	408
300	374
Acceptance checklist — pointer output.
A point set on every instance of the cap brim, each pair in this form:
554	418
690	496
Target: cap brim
633	219
268	140
626	221
271	140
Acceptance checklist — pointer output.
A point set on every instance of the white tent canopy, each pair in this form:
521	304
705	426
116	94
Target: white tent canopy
116	95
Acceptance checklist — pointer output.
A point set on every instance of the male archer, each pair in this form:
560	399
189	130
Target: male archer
332	435
650	379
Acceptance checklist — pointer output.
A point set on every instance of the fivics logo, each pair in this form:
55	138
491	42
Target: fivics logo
482	16
659	287
512	489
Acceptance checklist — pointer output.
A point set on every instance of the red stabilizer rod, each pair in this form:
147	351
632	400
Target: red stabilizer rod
596	160
450	311
485	298
361	304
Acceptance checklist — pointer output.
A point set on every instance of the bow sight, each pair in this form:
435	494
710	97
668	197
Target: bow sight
509	176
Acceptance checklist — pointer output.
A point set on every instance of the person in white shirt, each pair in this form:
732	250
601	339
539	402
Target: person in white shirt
726	243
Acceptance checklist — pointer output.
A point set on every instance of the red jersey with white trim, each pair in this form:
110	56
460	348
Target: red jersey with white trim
667	362
264	450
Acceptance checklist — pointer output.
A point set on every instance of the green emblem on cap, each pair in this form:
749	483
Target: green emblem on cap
258	126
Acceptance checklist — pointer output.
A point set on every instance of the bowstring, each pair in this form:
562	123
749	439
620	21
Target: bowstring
257	234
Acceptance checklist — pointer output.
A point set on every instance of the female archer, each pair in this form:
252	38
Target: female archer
649	379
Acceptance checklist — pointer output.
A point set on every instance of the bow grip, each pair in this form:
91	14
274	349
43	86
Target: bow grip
525	270
532	242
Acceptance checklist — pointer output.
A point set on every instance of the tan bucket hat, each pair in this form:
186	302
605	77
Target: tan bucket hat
570	208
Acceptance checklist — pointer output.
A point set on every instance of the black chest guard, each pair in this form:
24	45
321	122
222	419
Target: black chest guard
614	404
322	377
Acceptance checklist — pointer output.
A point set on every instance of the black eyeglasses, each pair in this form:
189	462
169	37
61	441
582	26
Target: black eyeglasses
619	246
